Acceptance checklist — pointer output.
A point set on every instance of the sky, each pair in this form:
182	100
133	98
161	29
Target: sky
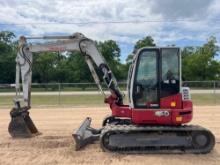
179	22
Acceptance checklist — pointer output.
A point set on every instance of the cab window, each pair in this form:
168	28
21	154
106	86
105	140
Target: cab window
170	79
146	80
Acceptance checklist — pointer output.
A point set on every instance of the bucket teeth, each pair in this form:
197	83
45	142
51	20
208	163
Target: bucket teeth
85	134
21	124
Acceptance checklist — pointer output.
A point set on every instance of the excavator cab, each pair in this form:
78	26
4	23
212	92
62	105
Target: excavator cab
155	74
154	88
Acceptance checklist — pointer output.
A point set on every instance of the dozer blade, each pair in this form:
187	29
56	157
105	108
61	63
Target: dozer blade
85	134
21	125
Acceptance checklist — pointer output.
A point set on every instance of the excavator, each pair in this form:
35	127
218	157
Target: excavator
154	121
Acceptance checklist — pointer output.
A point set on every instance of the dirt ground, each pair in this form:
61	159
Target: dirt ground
56	146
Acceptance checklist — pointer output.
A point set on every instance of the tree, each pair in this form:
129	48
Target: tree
49	67
111	52
199	63
7	37
146	41
44	67
7	57
78	69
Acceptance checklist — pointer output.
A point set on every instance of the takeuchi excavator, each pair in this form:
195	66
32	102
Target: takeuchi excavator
159	107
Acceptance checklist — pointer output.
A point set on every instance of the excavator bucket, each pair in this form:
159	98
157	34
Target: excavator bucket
21	125
85	134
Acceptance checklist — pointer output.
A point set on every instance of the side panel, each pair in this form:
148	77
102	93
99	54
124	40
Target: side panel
164	116
174	101
148	116
181	113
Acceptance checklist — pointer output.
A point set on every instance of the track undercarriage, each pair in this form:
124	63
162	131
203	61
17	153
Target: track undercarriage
118	135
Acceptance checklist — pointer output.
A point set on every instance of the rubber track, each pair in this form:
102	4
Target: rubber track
180	130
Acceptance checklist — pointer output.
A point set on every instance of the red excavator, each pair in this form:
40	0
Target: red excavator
159	107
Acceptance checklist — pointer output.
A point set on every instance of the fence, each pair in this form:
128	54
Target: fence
78	94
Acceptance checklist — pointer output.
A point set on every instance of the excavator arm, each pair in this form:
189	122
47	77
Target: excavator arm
76	42
21	124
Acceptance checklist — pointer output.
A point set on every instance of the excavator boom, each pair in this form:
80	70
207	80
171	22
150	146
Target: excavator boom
21	124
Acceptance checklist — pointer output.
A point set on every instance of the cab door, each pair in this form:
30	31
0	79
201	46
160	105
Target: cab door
145	92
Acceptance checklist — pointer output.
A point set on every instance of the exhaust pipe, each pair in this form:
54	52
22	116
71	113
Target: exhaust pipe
21	124
85	134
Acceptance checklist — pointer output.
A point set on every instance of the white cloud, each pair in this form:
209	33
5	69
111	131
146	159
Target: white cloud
173	9
83	11
65	11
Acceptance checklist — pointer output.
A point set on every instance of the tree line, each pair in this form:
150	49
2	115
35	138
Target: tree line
198	63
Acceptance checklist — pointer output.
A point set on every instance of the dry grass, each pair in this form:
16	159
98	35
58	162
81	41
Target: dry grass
56	146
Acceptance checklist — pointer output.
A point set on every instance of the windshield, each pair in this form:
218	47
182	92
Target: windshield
147	68
146	81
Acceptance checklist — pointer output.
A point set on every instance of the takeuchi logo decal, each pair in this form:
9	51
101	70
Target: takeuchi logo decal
57	48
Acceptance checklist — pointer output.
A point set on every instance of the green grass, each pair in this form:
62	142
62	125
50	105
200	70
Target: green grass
96	100
63	87
81	100
206	99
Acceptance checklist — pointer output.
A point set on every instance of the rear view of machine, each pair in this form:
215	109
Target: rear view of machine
154	121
